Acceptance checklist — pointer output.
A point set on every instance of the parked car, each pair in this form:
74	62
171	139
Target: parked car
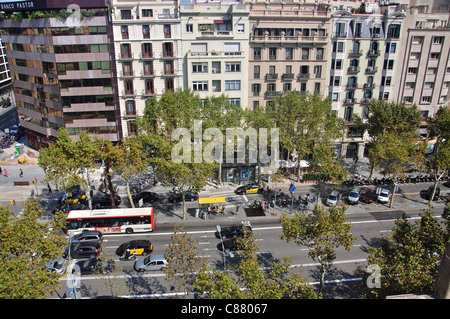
105	201
369	196
429	193
57	265
152	262
6	104
177	197
84	250
94	265
140	247
383	195
88	236
239	230
147	197
333	198
249	189
353	197
17	131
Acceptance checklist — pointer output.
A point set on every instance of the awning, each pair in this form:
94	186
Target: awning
211	200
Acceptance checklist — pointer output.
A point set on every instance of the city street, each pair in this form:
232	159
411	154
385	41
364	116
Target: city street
370	223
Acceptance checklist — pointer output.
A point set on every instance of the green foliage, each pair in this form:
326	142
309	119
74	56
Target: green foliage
183	259
248	280
408	259
26	244
322	232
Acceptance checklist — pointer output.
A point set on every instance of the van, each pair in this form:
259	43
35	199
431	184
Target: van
333	198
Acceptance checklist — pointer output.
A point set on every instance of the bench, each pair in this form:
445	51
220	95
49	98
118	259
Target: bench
21	183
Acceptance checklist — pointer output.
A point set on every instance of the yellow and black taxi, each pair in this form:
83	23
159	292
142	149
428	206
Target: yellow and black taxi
140	247
249	189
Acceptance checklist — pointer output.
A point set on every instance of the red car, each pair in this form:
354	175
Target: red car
369	196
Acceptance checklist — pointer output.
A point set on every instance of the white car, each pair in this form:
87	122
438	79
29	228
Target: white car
333	198
354	195
152	262
383	196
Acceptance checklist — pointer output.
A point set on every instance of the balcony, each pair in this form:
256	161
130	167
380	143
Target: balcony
369	85
371	70
355	53
124	56
366	100
303	76
288	76
353	69
350	101
352	85
271	76
272	94
147	74
373	53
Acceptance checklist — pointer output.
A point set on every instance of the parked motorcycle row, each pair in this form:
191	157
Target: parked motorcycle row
7	141
359	180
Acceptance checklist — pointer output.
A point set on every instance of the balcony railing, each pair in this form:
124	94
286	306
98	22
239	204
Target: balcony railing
353	69
352	85
350	101
366	100
371	70
271	76
303	76
373	53
369	85
288	76
355	53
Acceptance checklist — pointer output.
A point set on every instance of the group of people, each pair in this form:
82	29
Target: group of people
200	213
4	172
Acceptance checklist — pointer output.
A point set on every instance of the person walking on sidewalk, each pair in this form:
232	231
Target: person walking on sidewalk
1	171
5	172
21	173
49	188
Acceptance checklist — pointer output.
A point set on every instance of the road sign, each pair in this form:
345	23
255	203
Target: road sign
292	188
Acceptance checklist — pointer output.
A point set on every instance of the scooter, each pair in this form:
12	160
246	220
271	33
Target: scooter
128	256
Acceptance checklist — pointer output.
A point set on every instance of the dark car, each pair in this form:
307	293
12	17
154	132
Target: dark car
84	250
231	244
177	197
369	196
7	104
94	265
140	247
240	230
147	197
429	193
105	201
88	236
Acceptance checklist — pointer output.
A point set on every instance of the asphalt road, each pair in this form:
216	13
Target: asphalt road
367	227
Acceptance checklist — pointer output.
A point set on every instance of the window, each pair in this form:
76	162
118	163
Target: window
199	67
232	85
410	85
390	64
256	72
167	33
147	13
236	101
429	85
124	30
305	54
200	86
426	99
233	67
412	70
287	87
256	88
127	68
335	96
257	53
272	53
394	31
438	40
319	53
126	50
167	49
338	64
125	14
434	56
232	48
149	87
168	67
148	67
168	84
189	28
338	46
147	51
241	28
146	31
289	53
130	107
128	87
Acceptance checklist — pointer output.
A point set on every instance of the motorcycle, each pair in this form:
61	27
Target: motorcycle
127	256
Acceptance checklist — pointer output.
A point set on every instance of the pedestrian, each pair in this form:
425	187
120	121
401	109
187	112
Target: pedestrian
20	173
5	172
237	210
266	205
1	171
49	188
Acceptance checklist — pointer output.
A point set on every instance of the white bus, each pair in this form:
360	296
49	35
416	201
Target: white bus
118	220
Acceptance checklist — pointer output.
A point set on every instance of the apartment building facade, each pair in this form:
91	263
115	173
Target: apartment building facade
424	78
289	45
63	75
364	61
5	76
215	48
147	38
